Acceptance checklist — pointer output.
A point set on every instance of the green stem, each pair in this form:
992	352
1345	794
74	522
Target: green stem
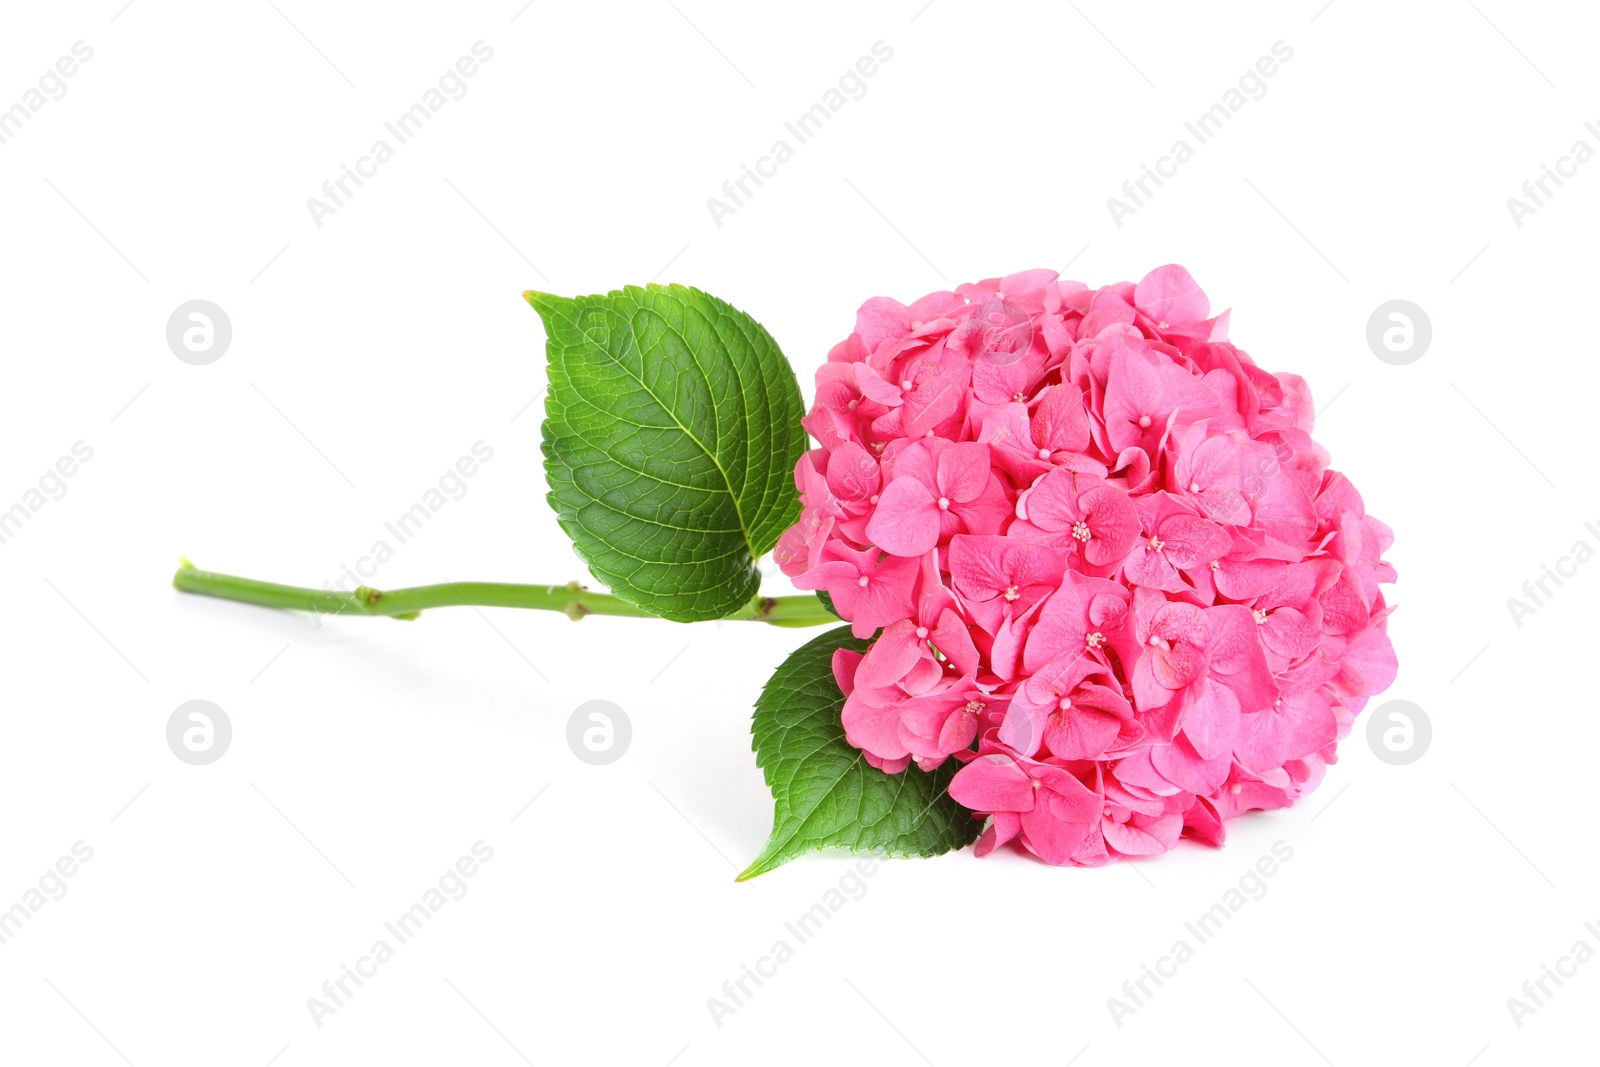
571	599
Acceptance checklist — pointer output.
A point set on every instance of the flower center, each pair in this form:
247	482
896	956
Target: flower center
1064	703
1216	564
1044	453
1095	639
1159	326
1020	398
1144	422
922	633
974	707
1194	487
1080	531
1156	544
862	581
1012	592
944	503
1261	616
906	384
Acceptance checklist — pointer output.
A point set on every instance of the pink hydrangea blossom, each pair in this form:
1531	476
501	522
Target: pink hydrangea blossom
1104	565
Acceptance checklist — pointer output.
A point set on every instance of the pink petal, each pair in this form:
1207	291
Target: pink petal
1283	732
1002	830
958	732
891	656
1181	765
906	522
1237	657
1113	525
1211	722
993	783
963	471
852	472
1202	822
1060	422
875	730
845	663
1080	734
1369	663
1169	295
1143	835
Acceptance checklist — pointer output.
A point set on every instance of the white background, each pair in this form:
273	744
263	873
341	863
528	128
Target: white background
368	354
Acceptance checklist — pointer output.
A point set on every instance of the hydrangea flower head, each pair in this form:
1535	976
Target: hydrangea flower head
1104	564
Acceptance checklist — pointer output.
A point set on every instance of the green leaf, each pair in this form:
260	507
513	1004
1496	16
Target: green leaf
827	602
671	432
827	795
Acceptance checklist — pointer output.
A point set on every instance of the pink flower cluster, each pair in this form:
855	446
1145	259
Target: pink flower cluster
1108	568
